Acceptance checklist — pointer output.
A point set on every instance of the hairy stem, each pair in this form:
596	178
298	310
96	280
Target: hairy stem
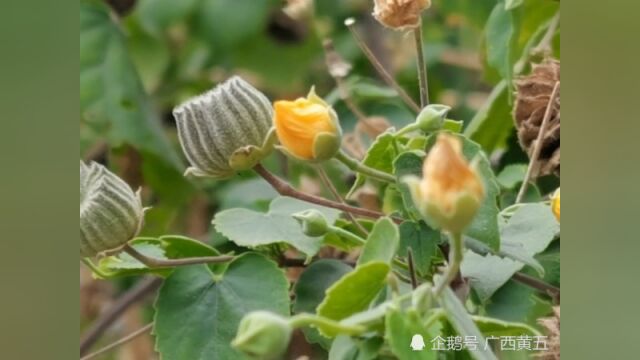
412	270
347	234
422	68
388	79
535	154
285	189
359	167
455	259
162	263
327	183
302	320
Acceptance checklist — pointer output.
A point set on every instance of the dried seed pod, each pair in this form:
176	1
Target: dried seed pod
532	96
225	130
552	328
110	212
400	14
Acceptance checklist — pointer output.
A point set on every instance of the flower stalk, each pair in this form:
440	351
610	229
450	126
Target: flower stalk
455	260
162	263
359	167
422	67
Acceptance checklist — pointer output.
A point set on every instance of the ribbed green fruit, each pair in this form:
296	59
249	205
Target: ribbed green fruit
225	130
110	212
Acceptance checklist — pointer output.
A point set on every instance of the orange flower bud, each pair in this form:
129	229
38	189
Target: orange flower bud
307	128
451	190
555	204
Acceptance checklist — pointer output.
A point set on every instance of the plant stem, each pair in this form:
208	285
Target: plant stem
162	263
455	259
302	320
388	79
96	270
133	295
422	68
535	154
283	188
412	270
347	234
327	182
357	166
124	340
537	284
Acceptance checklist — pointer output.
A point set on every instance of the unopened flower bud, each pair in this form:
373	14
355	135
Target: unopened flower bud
451	190
307	128
313	223
110	212
432	117
263	335
555	204
400	14
225	130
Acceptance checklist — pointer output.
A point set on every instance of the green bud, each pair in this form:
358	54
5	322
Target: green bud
432	117
313	223
225	130
263	335
110	212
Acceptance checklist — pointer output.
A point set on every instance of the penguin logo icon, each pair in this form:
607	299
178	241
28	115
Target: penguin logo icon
417	343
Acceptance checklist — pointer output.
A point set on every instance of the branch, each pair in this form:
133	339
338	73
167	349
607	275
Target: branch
133	295
538	284
283	188
162	263
388	79
327	182
538	146
124	340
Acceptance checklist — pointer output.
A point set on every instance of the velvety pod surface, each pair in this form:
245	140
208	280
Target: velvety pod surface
212	126
110	212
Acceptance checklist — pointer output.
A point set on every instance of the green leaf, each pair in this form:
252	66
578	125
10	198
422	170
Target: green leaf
400	329
408	164
225	23
517	302
463	323
498	34
354	292
310	291
246	193
496	327
379	156
157	15
197	313
512	4
112	99
423	242
493	123
382	243
511	176
165	247
529	231
251	228
347	348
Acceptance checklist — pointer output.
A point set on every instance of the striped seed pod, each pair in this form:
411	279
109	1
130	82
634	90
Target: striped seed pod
110	212
225	130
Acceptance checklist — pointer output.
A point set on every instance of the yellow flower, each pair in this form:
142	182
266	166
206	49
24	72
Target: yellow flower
451	190
307	128
555	204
